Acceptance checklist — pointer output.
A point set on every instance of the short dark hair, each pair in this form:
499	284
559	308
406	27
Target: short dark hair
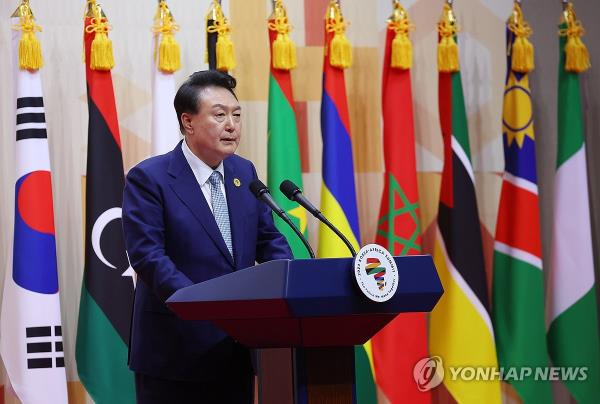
187	98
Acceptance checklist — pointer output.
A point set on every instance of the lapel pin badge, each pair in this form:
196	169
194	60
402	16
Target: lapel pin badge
237	182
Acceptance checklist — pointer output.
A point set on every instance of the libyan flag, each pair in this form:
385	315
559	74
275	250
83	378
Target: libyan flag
108	280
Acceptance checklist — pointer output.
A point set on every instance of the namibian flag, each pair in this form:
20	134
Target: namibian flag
518	289
460	327
108	279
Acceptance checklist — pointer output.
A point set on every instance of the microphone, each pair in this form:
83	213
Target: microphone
261	192
293	193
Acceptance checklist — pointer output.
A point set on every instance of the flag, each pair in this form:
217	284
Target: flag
283	160
166	60
338	192
220	54
518	287
460	326
108	279
403	342
572	306
32	343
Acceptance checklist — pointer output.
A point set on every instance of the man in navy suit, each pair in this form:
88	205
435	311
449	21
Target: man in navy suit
188	216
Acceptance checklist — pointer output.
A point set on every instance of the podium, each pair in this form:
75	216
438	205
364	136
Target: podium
310	304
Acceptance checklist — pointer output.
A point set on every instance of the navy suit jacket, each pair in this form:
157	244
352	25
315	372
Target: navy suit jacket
173	241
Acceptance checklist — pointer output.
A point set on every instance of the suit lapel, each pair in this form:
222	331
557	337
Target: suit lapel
236	219
188	191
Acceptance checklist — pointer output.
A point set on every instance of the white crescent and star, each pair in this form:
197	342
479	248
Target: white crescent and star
101	222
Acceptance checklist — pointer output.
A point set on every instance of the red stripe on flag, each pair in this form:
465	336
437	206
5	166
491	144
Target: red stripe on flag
282	77
519	221
445	107
100	89
335	86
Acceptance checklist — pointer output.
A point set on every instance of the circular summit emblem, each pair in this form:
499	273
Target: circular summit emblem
376	273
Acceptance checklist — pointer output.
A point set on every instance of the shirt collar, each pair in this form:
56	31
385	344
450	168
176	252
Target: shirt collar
202	171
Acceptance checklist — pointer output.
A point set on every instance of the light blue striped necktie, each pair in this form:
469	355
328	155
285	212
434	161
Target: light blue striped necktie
219	207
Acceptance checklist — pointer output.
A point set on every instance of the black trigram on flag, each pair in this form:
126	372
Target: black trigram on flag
31	121
44	349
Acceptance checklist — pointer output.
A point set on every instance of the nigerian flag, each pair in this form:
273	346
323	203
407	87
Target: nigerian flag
573	332
283	152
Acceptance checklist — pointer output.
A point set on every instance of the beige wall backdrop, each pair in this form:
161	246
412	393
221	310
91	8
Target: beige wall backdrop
483	69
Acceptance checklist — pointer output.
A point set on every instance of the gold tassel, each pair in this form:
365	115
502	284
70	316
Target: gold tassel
283	49
577	57
30	50
101	54
340	50
225	51
522	53
448	61
402	51
169	52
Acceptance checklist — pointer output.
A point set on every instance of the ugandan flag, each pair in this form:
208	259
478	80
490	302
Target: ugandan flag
460	328
108	280
403	342
518	288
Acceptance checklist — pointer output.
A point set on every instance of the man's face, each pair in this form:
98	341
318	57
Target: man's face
214	132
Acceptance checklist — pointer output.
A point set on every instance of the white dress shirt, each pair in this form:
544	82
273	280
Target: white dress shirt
202	172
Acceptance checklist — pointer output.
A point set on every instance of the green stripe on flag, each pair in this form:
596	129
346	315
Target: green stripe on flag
102	356
573	341
518	314
460	127
284	163
365	380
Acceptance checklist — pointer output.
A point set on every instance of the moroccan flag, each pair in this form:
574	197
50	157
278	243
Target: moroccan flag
518	289
108	279
573	332
165	128
32	343
283	151
338	193
403	342
460	328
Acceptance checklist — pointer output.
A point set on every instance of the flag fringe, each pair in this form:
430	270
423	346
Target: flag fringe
340	49
283	49
577	57
169	52
522	52
448	61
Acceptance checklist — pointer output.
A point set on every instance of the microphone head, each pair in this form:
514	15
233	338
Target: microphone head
289	189
258	188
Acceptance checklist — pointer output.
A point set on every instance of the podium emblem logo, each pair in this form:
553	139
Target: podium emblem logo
376	273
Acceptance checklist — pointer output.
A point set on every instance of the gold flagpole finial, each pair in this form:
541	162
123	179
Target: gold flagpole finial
340	50
225	51
101	52
577	57
402	53
521	49
30	50
283	49
168	51
448	61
